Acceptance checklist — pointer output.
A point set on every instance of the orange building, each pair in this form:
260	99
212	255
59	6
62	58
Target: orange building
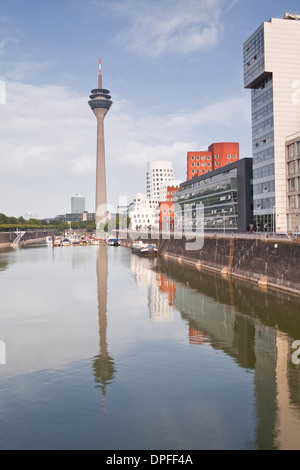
167	221
170	191
216	156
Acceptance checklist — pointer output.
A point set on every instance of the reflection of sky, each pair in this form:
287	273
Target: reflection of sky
48	309
166	392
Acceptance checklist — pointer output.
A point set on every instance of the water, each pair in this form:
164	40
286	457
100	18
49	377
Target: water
106	350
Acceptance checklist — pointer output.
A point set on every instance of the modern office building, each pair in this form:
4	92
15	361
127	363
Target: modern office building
159	176
218	154
226	195
271	70
77	204
100	103
293	182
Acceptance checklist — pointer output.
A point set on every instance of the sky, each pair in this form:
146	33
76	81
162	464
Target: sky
174	69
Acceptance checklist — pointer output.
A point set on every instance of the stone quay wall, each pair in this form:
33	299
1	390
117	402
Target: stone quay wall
269	262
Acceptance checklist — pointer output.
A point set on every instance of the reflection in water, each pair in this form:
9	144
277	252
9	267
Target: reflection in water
103	364
253	326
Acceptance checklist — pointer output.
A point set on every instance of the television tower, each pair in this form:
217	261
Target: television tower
100	102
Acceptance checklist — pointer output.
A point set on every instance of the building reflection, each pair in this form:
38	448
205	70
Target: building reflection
103	364
255	327
161	290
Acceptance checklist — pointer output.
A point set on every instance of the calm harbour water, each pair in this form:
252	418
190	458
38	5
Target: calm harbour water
107	350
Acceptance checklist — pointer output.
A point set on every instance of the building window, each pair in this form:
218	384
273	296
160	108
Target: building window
298	148
291	185
291	152
203	157
291	200
217	157
193	171
193	164
203	164
193	158
235	156
228	156
198	158
208	157
208	164
198	164
217	163
291	168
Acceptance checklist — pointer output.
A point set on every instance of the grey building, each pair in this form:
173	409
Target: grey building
226	195
77	204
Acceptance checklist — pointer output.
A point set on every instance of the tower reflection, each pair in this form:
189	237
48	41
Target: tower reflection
103	364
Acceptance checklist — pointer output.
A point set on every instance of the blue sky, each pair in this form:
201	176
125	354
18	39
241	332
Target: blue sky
174	70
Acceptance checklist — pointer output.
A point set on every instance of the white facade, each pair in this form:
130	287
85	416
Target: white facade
159	175
272	71
142	212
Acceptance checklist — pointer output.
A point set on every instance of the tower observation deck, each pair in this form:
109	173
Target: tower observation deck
100	102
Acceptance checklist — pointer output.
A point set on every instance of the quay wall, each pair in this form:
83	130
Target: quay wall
30	237
7	238
268	262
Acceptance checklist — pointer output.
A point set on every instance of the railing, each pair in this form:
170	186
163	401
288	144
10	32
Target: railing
247	253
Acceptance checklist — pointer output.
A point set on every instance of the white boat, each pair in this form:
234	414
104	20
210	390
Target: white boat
66	242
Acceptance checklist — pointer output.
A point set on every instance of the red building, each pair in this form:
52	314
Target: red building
166	217
170	191
216	156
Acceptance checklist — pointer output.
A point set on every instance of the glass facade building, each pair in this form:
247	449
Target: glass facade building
225	195
261	84
271	61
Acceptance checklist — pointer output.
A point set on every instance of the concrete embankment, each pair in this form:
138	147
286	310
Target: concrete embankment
8	239
267	262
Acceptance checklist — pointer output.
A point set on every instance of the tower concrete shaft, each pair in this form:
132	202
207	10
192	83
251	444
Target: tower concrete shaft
100	102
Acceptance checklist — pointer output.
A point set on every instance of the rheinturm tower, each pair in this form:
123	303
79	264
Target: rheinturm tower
100	102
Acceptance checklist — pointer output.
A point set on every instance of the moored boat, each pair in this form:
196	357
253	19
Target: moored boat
66	242
144	249
113	242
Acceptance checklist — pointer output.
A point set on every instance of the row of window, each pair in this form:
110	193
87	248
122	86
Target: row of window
267	203
266	187
262	98
203	157
202	164
264	171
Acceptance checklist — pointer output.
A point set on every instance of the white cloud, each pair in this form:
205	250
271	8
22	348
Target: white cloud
48	145
164	26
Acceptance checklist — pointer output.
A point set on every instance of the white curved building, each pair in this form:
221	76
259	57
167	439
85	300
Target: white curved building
159	174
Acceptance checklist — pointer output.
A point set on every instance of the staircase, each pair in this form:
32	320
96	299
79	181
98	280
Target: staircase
18	239
249	252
